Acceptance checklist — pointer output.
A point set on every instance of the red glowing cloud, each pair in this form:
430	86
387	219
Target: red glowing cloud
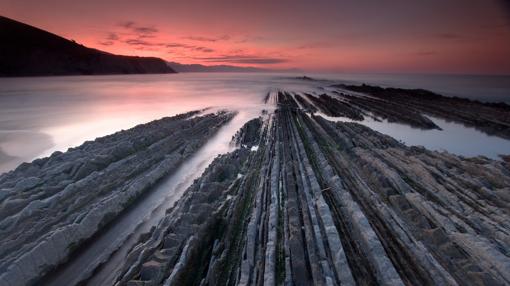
451	36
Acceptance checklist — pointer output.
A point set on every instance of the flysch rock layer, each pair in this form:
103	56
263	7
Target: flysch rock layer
325	203
408	106
52	205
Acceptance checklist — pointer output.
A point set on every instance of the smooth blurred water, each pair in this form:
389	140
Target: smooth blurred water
110	248
41	115
487	88
454	137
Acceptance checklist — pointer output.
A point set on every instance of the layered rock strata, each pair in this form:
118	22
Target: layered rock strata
324	203
52	205
491	118
356	107
301	201
334	107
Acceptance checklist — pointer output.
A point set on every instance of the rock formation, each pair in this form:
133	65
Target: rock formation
324	203
491	118
301	201
52	205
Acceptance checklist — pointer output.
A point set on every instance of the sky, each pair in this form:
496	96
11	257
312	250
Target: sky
388	36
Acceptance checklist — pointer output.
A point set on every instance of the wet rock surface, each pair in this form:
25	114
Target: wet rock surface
249	134
52	205
334	107
357	107
301	201
325	203
410	104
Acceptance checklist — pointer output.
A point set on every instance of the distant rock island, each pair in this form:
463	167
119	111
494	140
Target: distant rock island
29	51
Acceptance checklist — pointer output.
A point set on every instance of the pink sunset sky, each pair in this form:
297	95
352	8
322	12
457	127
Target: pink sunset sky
448	36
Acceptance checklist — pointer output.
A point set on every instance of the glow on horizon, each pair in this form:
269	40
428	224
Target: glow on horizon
450	36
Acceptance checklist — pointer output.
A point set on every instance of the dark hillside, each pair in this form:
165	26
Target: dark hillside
29	51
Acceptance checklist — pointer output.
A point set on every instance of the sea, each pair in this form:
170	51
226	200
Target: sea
41	115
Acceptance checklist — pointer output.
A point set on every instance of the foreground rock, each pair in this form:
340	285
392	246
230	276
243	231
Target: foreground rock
52	205
324	203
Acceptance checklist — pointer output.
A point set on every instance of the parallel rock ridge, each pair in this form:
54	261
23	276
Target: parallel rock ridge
301	201
324	203
412	107
52	205
399	104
